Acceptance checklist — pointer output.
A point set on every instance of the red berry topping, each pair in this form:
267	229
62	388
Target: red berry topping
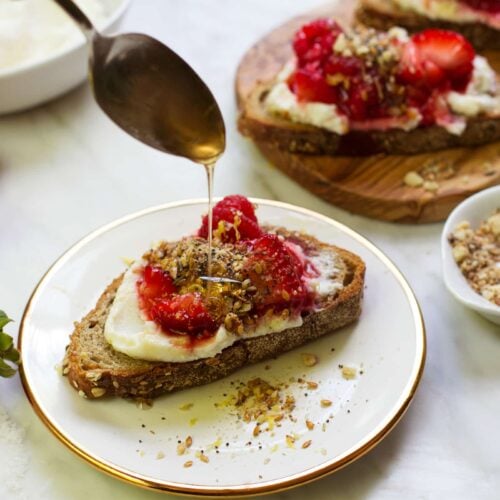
492	6
277	273
314	40
238	215
185	313
311	86
312	46
155	283
434	57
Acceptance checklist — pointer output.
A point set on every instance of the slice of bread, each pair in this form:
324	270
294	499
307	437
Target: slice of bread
384	14
95	369
258	124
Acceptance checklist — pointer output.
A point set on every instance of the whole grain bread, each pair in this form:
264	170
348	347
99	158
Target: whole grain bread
95	369
258	124
384	14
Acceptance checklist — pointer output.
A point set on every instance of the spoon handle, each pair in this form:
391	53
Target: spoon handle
79	17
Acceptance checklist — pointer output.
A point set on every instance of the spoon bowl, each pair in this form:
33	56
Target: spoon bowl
152	93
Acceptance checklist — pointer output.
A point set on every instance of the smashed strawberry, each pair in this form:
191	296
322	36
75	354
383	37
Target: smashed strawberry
184	314
491	6
313	46
237	215
434	57
155	282
311	86
313	42
277	274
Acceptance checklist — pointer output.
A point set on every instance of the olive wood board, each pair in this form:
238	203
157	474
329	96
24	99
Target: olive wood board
371	186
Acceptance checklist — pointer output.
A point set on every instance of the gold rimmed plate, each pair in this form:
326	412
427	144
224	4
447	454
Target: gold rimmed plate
385	349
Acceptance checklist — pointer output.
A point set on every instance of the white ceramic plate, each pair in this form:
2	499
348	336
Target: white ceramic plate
387	344
475	209
36	82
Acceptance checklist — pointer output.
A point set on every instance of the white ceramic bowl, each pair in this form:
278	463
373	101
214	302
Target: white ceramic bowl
33	83
474	209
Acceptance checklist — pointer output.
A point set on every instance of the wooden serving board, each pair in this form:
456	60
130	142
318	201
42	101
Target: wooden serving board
372	186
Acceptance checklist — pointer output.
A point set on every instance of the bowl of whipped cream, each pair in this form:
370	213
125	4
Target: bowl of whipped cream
42	52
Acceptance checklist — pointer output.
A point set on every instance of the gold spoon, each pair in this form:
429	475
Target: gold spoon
152	93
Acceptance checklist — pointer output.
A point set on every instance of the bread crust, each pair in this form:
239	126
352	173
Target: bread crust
256	123
383	15
107	372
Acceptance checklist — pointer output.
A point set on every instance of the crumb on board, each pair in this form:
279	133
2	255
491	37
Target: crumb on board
160	455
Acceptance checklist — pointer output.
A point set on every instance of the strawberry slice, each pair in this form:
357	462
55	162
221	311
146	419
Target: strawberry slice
238	215
184	314
276	272
434	56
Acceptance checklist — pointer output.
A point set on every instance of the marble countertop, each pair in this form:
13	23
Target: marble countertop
65	169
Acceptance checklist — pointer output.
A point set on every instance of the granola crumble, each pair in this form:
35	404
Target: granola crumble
477	254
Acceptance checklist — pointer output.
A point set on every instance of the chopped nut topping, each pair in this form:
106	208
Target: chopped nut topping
181	449
188	464
189	442
309	425
306	444
477	254
325	403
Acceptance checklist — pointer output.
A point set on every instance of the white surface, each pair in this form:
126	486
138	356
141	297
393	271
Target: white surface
475	210
386	345
65	169
53	69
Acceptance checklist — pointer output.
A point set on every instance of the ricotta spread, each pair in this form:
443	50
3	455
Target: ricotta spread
130	332
450	10
482	93
31	30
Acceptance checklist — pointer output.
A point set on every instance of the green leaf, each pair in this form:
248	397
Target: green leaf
5	342
4	319
6	370
12	355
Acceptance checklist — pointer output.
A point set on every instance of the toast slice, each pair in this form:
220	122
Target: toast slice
383	14
325	107
95	369
256	123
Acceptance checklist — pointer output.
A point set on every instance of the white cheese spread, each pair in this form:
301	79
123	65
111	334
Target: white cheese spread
482	95
130	332
31	30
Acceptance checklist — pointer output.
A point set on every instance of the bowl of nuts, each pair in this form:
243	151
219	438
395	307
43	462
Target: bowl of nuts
470	251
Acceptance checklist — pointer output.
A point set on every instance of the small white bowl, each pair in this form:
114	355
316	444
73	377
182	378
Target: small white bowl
33	83
475	209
